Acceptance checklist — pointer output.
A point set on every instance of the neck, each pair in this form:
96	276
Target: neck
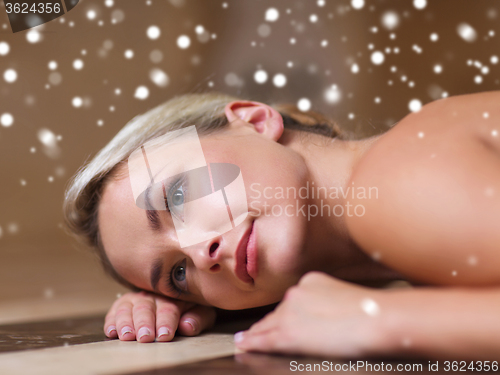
329	247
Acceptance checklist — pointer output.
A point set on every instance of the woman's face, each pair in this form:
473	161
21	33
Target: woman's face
223	271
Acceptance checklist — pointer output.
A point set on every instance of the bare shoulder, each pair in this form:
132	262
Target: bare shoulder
435	216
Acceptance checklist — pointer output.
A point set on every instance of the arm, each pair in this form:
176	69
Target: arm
323	316
443	323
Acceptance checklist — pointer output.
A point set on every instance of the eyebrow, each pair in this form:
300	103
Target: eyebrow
156	271
152	215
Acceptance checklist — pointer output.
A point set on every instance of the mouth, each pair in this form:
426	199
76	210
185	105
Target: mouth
246	256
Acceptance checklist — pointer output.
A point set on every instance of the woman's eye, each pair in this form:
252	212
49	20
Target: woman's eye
179	277
178	197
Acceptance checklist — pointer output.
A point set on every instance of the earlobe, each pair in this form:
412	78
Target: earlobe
261	117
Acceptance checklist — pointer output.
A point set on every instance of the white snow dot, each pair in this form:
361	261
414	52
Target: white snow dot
13	228
159	77
421	134
324	43
100	123
129	54
478	79
494	59
48	293
289	64
491	33
264	30
377	57
33	36
313	18
109	3
332	94
77	102
472	260
112	108
279	80
4	48
390	20
411	84
118	91
494	133
23	182
50	179
260	76
370	307
183	42
467	32
91	14
485	70
406	342
321	3
156	56
78	64
438	69
434	37
199	29
486	115
420	4
47	137
304	104
32	150
10	75
6	120
377	100
392	36
141	92
415	105
52	65
393	69
354	68
272	15
55	78
350	116
357	4
454	273
153	32
292	40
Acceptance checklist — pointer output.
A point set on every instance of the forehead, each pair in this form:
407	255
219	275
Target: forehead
123	229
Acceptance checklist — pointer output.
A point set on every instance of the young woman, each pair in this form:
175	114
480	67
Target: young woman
327	215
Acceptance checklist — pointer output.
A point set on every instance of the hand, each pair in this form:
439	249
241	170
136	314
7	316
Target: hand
146	316
320	316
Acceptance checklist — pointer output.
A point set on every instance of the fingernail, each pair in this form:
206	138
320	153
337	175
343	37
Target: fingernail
238	336
191	322
163	331
111	329
125	330
144	331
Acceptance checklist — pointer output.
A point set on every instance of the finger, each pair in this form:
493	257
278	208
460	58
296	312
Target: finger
196	320
110	325
264	342
168	312
144	317
265	324
124	321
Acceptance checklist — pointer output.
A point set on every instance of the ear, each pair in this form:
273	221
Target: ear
261	117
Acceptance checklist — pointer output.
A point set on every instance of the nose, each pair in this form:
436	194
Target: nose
207	255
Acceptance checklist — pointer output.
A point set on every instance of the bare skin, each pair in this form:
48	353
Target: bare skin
435	221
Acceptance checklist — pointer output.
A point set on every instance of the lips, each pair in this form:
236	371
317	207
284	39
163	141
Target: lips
246	257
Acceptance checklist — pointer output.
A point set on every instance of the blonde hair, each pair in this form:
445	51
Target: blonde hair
205	110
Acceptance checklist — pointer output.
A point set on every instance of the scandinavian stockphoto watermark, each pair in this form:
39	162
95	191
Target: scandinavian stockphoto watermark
318	200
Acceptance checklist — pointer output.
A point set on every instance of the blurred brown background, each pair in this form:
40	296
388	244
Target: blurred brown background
71	84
